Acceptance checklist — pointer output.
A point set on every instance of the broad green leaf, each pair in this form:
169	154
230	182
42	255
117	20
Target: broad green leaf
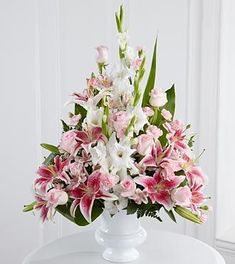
81	221
49	160
170	105
78	109
29	207
51	148
187	214
65	126
163	139
132	207
64	210
171	215
151	78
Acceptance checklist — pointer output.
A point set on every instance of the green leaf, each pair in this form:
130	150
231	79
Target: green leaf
151	78
187	214
65	126
132	207
118	23
29	207
121	15
79	219
163	139
78	109
51	148
188	126
171	215
191	141
64	210
97	210
49	160
170	105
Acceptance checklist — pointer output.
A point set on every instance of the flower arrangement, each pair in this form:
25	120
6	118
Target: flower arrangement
121	149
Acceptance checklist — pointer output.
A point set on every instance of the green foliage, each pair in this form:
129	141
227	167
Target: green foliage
64	210
170	105
187	214
79	219
171	215
29	207
119	17
163	139
105	128
191	141
151	78
65	126
49	160
51	148
148	210
78	109
131	125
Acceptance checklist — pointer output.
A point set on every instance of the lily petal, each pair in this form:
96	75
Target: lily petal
86	205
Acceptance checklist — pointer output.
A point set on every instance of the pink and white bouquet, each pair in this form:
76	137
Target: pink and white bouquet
121	149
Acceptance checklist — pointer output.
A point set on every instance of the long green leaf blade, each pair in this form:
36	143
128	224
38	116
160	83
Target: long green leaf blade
151	78
170	105
51	148
78	109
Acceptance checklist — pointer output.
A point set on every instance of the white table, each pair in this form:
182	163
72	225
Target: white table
168	248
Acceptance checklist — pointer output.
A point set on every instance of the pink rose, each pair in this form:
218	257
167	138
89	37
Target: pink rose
182	196
158	98
128	186
166	114
68	141
102	55
57	197
120	122
148	111
154	131
73	120
145	143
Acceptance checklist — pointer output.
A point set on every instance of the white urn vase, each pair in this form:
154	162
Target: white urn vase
120	235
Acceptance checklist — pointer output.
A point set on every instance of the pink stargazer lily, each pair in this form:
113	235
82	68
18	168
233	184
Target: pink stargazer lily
84	138
47	202
158	189
85	195
163	160
49	173
197	197
177	137
193	173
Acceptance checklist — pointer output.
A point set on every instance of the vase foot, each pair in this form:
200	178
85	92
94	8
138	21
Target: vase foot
120	256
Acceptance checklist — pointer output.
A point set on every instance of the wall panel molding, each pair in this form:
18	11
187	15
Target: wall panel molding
208	111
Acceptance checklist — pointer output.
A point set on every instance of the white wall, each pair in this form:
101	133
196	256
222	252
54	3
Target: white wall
46	53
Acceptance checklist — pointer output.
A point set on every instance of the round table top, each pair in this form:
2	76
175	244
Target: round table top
160	248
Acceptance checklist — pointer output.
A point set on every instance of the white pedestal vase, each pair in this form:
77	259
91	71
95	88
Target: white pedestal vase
120	235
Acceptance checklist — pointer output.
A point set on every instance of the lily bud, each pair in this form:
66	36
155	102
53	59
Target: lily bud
187	214
102	54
